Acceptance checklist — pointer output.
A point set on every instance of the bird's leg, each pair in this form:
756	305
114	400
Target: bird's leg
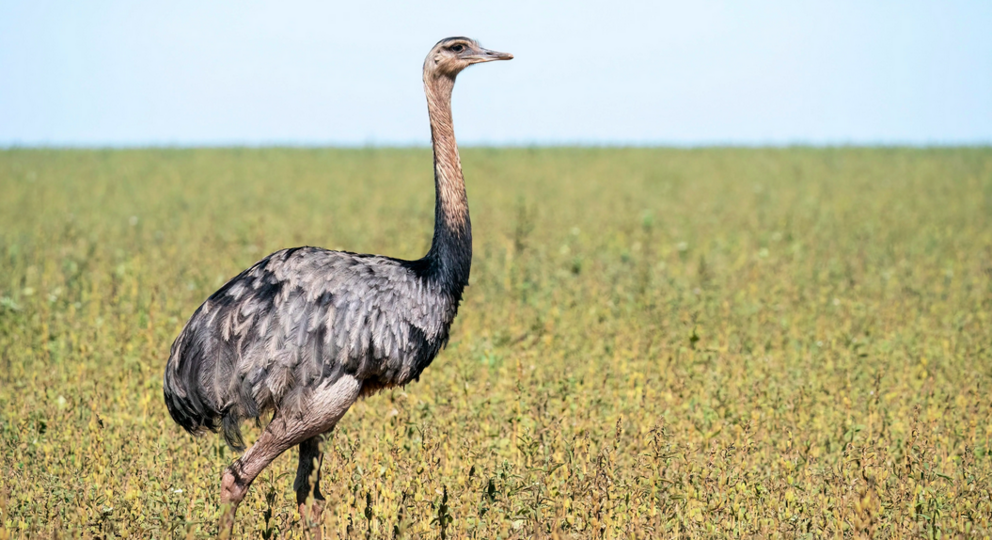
275	439
321	411
307	474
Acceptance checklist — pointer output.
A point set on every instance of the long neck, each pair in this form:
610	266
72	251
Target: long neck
451	250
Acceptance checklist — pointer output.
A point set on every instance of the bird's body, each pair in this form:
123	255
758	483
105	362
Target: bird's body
300	318
307	331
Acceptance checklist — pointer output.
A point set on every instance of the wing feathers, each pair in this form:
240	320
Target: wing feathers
302	316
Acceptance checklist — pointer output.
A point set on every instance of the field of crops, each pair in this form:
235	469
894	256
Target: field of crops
655	343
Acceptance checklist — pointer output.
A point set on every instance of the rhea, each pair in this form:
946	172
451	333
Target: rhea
307	331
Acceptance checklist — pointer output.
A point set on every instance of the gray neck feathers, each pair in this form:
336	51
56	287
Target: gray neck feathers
450	255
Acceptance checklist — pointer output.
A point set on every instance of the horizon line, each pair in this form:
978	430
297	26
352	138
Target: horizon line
513	145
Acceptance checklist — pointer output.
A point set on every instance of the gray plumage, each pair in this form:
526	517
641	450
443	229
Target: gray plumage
307	331
299	318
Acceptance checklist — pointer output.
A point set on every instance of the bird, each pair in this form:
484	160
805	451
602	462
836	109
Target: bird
305	332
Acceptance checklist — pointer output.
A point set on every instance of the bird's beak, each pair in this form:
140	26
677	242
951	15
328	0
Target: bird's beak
485	55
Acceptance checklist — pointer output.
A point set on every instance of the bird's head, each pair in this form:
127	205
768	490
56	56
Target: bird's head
450	56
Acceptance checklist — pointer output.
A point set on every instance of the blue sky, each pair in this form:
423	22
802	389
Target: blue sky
101	73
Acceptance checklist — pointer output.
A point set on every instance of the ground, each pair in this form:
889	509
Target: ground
655	343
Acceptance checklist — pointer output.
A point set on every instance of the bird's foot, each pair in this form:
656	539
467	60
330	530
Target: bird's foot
225	527
232	491
310	515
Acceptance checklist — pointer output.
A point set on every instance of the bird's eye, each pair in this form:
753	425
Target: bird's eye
458	47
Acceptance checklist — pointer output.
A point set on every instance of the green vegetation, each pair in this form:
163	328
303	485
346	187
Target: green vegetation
655	343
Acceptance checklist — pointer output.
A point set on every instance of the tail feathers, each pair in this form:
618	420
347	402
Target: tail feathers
187	400
211	386
197	417
232	432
